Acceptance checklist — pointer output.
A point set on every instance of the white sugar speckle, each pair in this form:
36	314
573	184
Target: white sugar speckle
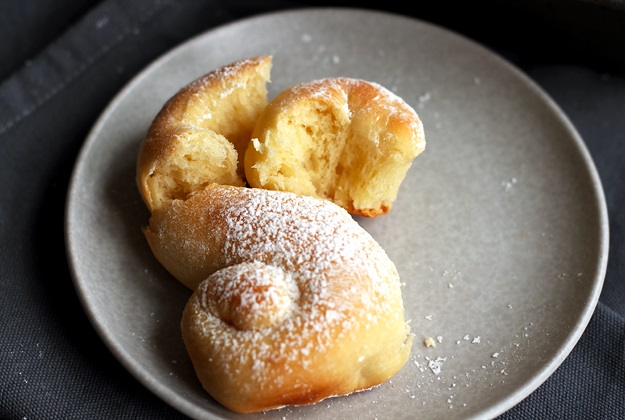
508	184
436	364
423	99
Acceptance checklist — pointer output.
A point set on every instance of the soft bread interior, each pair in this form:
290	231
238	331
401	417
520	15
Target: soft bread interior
346	140
200	135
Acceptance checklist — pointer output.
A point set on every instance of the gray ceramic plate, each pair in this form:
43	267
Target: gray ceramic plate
499	230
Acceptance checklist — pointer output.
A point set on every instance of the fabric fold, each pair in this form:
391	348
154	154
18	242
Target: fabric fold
73	53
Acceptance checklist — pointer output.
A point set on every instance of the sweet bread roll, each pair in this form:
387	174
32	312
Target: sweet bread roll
343	139
201	133
296	302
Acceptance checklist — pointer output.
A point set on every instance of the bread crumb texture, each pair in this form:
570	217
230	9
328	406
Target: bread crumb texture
347	140
201	133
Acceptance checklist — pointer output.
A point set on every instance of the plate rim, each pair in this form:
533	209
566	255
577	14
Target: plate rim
146	379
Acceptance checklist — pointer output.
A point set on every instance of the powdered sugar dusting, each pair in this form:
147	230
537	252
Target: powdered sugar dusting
252	295
334	278
225	75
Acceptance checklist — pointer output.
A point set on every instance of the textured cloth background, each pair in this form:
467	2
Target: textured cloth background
62	61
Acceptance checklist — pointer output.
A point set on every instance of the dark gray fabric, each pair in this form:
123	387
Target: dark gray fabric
63	61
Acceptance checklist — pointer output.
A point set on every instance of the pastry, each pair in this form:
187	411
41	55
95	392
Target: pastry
293	300
347	140
201	133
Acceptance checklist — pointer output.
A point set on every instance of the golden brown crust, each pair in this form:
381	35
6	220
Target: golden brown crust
347	140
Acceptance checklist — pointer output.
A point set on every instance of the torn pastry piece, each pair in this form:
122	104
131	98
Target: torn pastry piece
201	133
347	140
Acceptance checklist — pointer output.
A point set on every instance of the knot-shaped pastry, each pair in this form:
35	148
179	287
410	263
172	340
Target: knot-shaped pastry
299	302
293	301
